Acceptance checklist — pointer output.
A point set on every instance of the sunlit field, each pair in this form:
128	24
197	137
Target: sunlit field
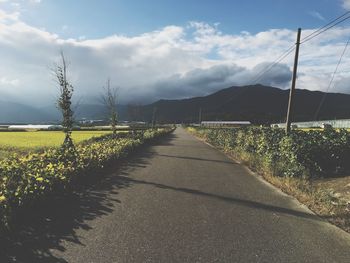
24	142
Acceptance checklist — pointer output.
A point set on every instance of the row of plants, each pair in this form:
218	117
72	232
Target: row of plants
24	180
301	154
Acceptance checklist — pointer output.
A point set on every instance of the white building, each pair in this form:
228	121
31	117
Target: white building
224	123
35	127
317	124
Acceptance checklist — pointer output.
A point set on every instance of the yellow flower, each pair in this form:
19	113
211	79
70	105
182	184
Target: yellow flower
39	179
2	198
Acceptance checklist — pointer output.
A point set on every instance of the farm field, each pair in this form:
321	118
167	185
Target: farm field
31	141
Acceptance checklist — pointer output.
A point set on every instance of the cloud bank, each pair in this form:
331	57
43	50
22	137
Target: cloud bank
172	62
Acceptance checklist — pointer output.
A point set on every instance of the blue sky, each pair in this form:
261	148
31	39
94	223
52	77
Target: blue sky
95	19
166	49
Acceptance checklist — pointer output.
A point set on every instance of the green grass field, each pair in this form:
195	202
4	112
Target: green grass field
32	141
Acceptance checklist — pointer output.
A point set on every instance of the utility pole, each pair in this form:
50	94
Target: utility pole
200	117
292	89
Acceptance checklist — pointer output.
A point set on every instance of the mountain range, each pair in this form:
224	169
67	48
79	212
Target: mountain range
257	103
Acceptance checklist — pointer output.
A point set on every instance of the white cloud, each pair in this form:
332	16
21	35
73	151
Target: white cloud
206	81
9	82
8	17
346	4
317	15
171	62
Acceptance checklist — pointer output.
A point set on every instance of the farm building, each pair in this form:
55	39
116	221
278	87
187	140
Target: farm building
85	121
35	127
317	124
225	123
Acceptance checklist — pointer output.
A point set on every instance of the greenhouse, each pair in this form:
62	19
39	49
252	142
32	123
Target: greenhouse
317	124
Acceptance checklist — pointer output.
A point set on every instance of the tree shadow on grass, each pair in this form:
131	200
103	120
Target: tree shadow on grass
40	228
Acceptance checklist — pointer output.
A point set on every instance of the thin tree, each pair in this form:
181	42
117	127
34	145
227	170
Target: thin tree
64	101
109	99
154	117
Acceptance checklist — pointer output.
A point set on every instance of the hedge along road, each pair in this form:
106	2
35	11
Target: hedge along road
179	200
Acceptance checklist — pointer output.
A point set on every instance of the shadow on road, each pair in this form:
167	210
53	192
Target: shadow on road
232	200
195	159
44	227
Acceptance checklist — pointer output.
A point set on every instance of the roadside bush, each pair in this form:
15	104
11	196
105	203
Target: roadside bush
302	154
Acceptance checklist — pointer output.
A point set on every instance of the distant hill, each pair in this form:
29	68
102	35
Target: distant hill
258	104
89	111
11	112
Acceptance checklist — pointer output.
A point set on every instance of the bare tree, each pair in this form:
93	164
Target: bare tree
109	99
154	117
64	101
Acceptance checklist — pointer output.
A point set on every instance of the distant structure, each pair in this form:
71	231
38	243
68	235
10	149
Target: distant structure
225	123
345	123
35	127
89	122
136	123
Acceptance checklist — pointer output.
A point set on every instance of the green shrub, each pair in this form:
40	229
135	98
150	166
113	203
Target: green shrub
302	154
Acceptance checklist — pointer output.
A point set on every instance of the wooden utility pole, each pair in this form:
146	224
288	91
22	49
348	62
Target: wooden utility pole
200	116
292	89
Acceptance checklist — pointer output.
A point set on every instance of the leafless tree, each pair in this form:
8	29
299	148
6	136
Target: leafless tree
109	99
64	101
154	117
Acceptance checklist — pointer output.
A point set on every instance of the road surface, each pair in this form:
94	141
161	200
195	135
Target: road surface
179	200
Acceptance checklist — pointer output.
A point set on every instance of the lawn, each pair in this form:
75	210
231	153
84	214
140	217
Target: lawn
31	141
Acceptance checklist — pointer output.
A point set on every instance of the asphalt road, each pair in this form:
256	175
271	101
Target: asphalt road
179	200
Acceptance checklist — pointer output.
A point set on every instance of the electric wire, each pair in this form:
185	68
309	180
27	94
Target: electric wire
264	71
326	27
273	64
331	81
314	34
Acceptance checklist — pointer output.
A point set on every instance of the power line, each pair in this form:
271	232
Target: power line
329	23
273	64
332	79
317	32
314	34
264	71
326	27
